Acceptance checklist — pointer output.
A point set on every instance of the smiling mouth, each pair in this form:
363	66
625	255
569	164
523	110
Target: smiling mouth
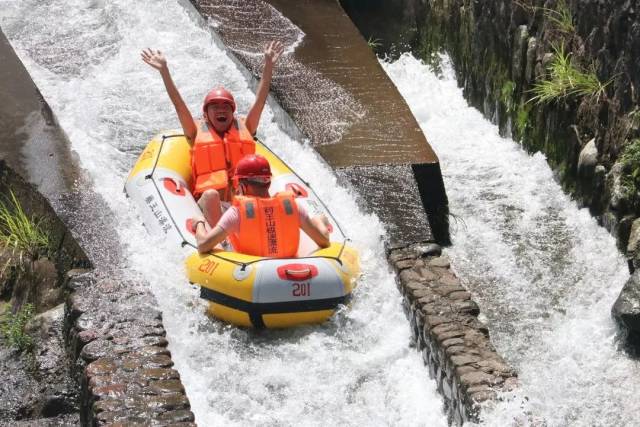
221	119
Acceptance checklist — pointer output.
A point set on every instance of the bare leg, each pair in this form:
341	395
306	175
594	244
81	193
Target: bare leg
210	206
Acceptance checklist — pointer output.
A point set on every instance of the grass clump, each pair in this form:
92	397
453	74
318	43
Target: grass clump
565	80
21	232
633	120
561	16
374	43
13	326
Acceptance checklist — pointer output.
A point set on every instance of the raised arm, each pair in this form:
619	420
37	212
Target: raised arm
271	55
156	59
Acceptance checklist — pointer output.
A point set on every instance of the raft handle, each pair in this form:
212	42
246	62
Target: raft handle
299	274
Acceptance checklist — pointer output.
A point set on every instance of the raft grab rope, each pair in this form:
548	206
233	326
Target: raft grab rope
244	265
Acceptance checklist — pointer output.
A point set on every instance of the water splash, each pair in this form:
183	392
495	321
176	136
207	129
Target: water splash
357	369
544	273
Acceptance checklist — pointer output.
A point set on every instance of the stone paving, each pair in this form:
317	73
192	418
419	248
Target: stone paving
454	343
116	337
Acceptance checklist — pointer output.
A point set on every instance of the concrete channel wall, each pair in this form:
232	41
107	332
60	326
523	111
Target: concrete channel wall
116	348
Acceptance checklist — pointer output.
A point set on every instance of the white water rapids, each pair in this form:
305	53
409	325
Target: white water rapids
357	369
543	272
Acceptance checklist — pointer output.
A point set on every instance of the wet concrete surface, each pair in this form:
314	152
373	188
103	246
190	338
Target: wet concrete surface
33	145
400	210
385	131
338	95
28	128
39	389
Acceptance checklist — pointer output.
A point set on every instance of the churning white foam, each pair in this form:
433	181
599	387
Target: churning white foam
545	274
358	368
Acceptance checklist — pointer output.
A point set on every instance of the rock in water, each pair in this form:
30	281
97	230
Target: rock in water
626	309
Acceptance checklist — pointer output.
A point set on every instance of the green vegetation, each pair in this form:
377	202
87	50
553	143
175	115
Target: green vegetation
522	120
631	154
565	80
506	95
13	326
630	159
430	46
21	232
561	16
633	118
374	43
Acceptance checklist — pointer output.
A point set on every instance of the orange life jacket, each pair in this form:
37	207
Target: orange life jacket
269	227
214	159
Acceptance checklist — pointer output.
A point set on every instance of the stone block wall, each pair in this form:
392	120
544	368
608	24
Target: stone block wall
502	49
444	322
119	354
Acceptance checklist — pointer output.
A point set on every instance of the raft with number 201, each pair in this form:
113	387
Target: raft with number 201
242	289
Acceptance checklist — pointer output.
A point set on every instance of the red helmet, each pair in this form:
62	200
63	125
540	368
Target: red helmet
219	94
253	167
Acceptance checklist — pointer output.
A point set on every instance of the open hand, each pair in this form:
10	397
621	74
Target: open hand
155	58
273	51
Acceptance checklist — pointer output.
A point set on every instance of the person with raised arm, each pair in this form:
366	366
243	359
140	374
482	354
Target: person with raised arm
219	139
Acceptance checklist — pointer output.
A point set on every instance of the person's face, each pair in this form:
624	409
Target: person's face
220	115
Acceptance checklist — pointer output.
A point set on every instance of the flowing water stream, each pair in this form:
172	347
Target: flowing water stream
542	270
357	369
544	273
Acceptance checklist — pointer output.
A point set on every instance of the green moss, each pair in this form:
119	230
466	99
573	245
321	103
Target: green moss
4	308
568	177
630	159
431	43
522	120
506	95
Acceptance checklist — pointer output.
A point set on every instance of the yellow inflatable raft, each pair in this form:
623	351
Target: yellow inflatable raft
242	289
